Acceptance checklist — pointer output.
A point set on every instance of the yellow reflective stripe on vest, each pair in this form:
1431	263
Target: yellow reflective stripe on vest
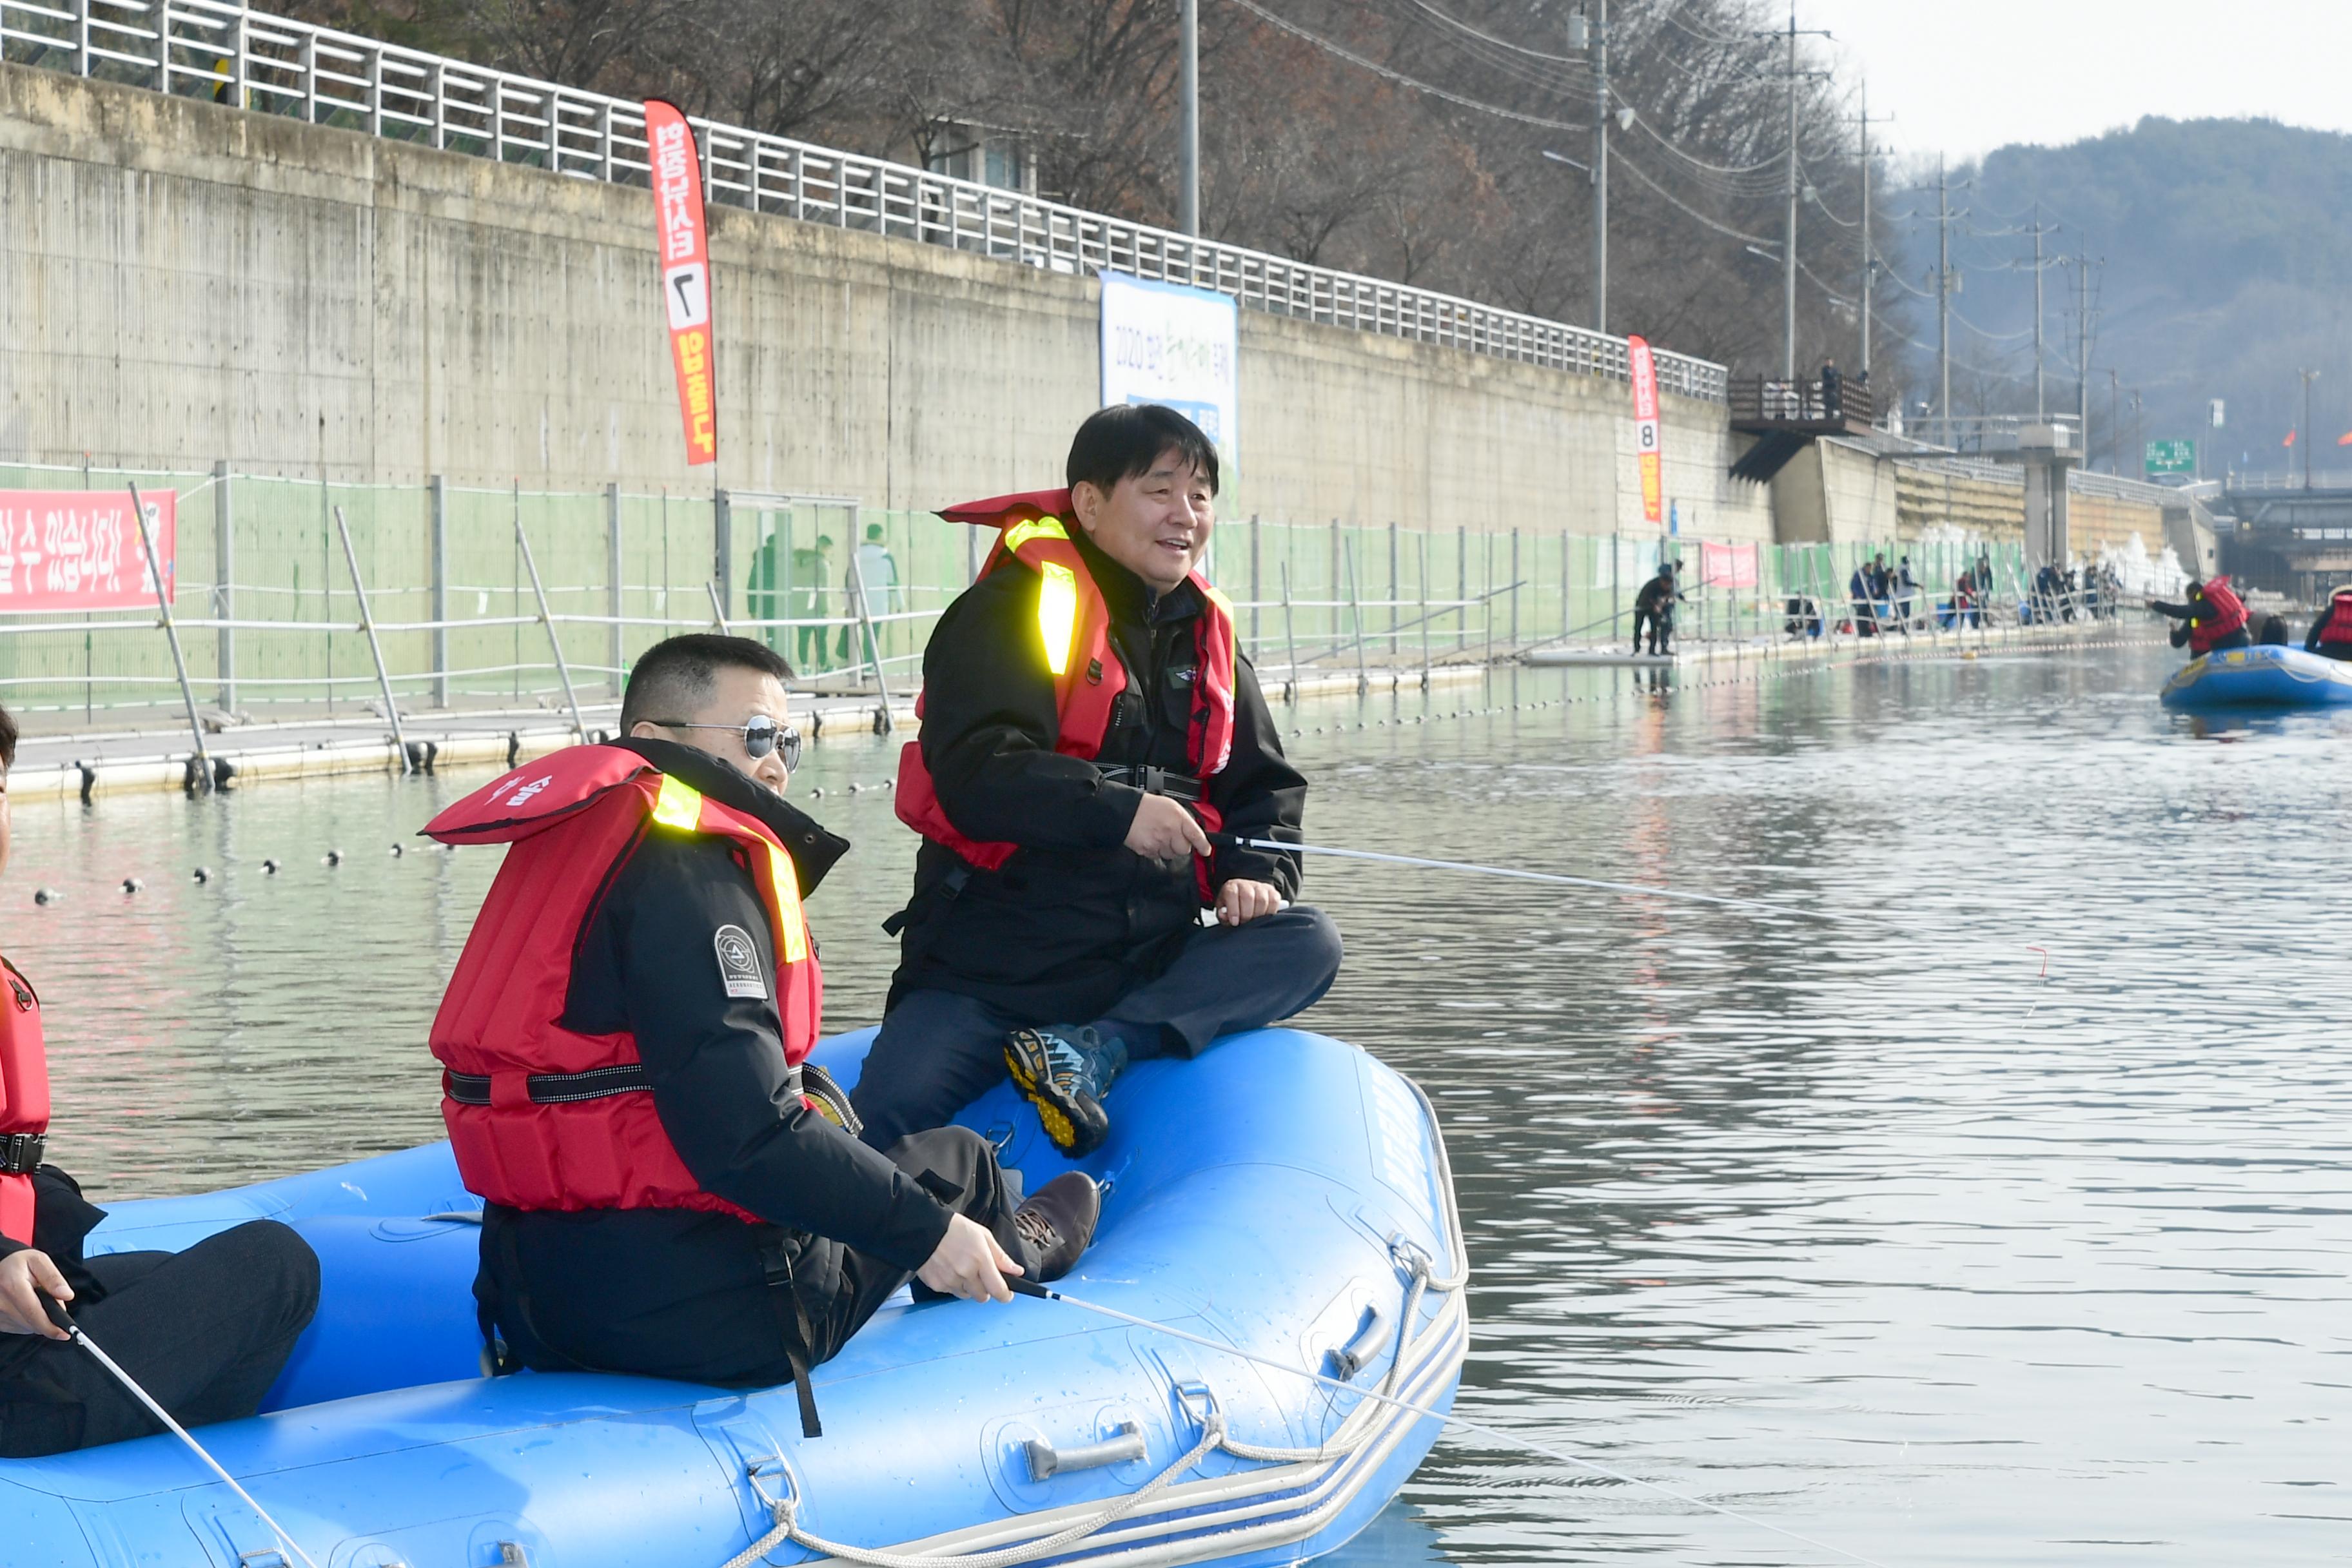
1021	533
680	806
1057	614
788	896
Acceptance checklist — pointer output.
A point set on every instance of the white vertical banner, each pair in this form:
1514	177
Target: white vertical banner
1176	347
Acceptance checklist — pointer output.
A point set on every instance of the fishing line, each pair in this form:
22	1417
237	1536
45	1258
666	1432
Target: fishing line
1510	1440
1638	889
57	1315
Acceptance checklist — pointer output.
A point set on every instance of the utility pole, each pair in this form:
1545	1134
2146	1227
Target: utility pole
1191	52
1796	177
2082	263
2305	435
2041	406
1869	257
2115	426
1600	166
1943	300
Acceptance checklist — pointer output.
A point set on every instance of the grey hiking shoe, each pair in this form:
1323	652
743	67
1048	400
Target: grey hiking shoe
1059	1223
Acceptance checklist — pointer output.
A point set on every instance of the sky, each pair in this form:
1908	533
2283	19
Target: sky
1964	79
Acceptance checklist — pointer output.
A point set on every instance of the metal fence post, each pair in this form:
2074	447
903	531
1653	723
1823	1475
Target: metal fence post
81	37
722	548
1290	636
1356	613
225	584
1515	588
554	638
171	633
436	489
882	725
1462	585
1258	534
616	641
375	648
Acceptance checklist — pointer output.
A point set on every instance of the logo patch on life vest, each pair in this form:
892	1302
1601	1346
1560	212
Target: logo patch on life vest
522	796
739	964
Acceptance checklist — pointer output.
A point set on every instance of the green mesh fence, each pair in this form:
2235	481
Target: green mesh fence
620	570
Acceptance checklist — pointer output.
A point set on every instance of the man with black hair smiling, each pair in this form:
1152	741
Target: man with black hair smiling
1086	714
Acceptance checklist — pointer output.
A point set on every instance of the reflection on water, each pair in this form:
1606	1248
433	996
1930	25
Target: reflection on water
1863	1227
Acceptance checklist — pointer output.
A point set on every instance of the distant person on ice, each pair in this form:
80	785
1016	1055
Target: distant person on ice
2212	619
1656	604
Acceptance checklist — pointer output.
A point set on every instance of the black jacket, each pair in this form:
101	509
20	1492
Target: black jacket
645	963
1075	920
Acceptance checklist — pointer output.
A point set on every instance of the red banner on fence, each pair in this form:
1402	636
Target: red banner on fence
1645	427
78	550
686	274
1726	565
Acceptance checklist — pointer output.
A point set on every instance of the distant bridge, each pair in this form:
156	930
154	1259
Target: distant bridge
2292	540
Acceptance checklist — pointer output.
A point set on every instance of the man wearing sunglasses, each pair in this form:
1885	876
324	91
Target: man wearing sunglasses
669	1189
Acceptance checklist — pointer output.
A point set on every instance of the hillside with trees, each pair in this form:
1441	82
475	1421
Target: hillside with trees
2222	266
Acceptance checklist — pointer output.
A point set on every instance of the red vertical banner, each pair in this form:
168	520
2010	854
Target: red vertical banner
1645	427
686	273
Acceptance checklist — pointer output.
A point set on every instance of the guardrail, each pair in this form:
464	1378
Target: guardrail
274	65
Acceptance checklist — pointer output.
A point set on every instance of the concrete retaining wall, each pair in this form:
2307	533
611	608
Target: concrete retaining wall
182	283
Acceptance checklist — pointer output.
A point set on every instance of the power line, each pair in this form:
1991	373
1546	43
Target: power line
1769	164
1636	170
1295	30
1455	22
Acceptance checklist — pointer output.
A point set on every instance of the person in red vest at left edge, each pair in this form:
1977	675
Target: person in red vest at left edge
206	1330
671	1189
1088	720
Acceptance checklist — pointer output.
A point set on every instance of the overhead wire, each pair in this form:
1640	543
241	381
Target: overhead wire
1636	171
1295	30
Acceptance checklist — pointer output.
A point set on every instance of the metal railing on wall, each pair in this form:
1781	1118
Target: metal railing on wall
274	65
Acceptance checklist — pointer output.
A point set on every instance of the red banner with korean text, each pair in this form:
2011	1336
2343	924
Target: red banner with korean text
1726	565
1645	427
79	549
686	273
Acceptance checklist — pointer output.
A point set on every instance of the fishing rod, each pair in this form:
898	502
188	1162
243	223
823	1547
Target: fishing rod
1641	890
1021	1287
1638	889
58	1316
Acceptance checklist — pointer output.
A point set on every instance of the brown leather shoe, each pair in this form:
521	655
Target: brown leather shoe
1059	1222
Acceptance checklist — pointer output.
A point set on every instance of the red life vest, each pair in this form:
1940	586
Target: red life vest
565	1142
2338	626
1074	644
2225	614
24	1099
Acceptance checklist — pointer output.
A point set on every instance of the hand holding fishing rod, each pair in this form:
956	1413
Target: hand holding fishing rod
65	1328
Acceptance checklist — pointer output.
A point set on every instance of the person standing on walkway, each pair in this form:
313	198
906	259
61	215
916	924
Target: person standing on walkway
1085	712
206	1331
1654	606
1833	392
671	1189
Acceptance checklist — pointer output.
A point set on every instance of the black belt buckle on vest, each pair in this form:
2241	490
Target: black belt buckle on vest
20	1152
552	1088
1157	780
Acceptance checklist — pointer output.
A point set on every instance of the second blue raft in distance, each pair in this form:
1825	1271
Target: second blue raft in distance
2261	676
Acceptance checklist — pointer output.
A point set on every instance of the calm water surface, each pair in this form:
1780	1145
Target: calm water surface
1863	1226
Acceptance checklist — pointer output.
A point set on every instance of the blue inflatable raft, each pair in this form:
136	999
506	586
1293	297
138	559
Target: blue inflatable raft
1285	1194
2259	677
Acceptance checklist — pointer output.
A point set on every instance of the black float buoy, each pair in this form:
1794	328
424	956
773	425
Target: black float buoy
46	895
204	874
334	857
269	867
131	884
398	850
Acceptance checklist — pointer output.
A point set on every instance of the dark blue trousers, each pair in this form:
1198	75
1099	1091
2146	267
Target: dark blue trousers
939	1050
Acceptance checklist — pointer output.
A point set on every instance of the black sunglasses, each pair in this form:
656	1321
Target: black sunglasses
760	735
